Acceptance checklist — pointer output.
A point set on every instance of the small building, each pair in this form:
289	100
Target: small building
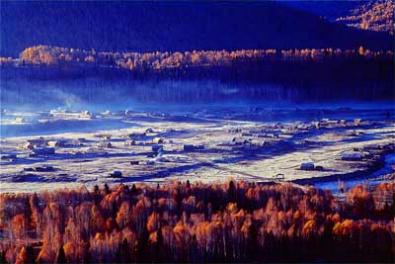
355	133
352	156
307	166
85	115
150	162
37	142
190	147
27	145
137	136
326	122
19	120
234	130
44	168
103	136
357	121
105	144
246	134
157	140
106	137
130	142
64	143
9	157
315	124
53	143
106	113
116	174
149	131
44	151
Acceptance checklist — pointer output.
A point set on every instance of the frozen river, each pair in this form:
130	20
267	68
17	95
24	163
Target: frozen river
371	178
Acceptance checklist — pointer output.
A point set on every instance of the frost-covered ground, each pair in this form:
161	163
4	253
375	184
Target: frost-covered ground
205	145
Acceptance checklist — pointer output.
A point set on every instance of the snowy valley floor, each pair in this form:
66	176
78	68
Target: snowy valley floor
200	146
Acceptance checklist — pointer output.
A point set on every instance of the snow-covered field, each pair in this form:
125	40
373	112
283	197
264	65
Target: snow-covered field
61	149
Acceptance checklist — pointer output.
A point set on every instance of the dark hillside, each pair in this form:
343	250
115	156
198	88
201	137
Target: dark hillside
120	26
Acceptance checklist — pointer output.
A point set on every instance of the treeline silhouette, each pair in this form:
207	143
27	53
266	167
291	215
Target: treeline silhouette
157	61
183	222
313	74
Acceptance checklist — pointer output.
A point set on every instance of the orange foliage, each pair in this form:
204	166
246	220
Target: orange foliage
197	223
157	61
22	256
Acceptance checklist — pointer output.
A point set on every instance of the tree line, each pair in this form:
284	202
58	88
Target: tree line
184	222
157	61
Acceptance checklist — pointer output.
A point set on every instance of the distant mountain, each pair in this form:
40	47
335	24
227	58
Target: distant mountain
375	15
170	26
328	9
